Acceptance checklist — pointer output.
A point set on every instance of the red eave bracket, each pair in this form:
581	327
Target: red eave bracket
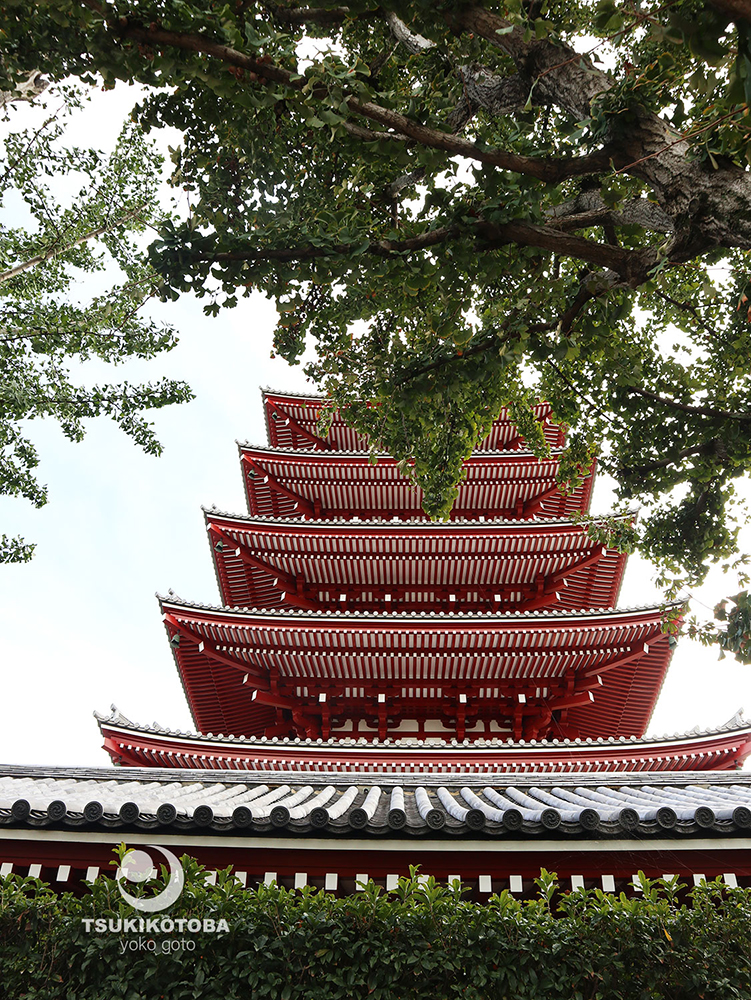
254	468
318	442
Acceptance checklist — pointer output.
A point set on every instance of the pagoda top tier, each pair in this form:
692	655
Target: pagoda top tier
292	424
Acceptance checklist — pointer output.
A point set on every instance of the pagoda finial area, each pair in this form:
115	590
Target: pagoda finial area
292	422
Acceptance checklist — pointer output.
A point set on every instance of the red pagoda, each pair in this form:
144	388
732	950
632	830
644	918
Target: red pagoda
377	690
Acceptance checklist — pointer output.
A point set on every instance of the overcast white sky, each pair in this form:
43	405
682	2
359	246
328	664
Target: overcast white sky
80	626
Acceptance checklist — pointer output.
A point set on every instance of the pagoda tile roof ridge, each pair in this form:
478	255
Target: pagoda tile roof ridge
318	398
403	616
738	723
364	455
709	807
415	522
315	396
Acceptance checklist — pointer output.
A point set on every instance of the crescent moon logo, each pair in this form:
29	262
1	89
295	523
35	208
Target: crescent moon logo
137	866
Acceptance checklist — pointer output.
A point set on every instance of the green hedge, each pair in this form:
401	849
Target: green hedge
420	941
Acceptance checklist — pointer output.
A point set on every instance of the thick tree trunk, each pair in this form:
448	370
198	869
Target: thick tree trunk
708	207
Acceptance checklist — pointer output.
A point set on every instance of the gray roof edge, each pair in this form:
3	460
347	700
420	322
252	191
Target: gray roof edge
736	724
416	523
403	616
369	778
303	453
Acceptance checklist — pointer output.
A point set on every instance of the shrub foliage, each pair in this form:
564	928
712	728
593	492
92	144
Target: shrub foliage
424	940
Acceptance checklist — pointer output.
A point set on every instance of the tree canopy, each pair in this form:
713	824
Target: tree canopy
466	205
45	332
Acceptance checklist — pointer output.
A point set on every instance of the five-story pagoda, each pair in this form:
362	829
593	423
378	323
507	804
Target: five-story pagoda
351	620
378	691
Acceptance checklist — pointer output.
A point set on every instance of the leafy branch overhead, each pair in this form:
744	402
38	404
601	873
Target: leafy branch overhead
44	331
464	206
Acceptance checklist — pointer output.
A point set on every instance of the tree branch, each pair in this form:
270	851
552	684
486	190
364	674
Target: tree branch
585	294
412	42
550	170
498	95
631	266
674	404
735	10
570	385
34	85
589	209
693	311
368	135
56	251
715	446
441	362
541	62
566	321
378	248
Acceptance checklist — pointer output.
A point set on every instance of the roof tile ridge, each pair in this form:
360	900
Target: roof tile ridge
266	391
317	397
552	615
367	778
332	455
395	745
396	523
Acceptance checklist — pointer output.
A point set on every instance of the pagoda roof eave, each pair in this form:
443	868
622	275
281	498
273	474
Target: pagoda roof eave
401	618
312	397
737	724
371	565
242	667
319	484
415	524
292	420
294	454
723	748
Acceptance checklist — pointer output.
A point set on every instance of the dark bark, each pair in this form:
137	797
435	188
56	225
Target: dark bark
674	404
715	448
708	207
734	10
631	266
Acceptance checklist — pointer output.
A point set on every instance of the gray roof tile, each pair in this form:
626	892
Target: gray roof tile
690	804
